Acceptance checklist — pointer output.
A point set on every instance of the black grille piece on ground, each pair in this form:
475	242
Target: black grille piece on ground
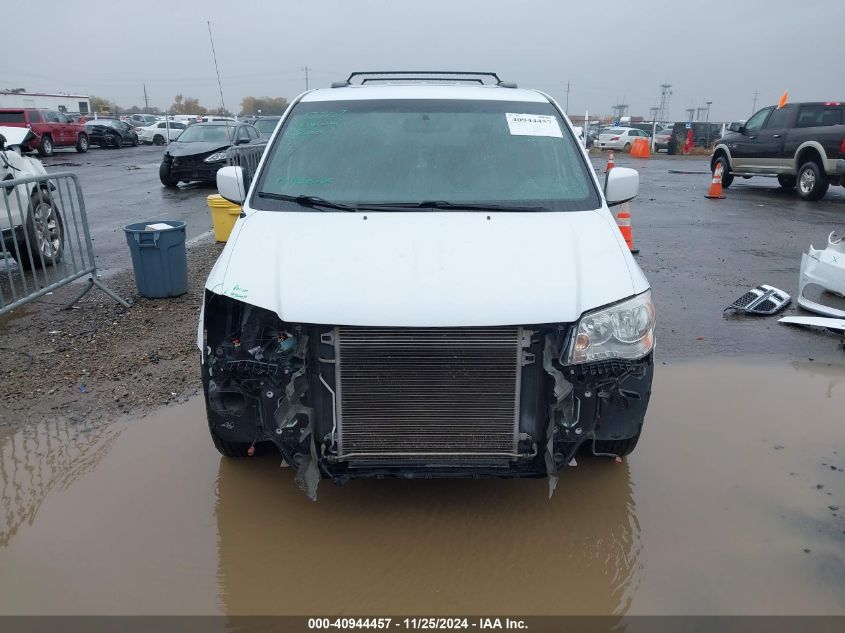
428	395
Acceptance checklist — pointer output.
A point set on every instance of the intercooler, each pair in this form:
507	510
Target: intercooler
428	395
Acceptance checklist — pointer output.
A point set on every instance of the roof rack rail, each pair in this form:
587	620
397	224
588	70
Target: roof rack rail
421	76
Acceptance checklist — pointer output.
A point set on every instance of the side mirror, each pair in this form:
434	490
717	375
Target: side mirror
230	183
622	185
741	129
242	141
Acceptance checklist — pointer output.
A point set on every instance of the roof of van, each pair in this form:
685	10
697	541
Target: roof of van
424	91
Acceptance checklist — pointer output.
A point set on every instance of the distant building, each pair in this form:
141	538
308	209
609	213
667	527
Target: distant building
73	104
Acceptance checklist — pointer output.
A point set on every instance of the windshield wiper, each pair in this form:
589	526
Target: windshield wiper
314	202
455	206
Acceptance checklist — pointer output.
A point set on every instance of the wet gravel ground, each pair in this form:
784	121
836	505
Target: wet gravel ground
100	360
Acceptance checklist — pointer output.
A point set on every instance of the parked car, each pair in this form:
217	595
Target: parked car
661	139
161	132
141	120
380	312
267	125
29	214
51	129
111	133
200	151
619	138
801	144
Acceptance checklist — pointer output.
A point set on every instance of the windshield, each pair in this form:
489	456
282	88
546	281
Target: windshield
517	154
266	126
206	133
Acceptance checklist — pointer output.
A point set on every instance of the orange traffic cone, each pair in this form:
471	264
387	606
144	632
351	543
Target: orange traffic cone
623	221
716	184
610	164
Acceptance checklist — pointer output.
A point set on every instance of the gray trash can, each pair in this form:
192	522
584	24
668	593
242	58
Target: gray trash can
159	258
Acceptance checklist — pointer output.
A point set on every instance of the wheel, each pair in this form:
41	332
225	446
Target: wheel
134	140
158	139
627	148
727	177
82	143
117	141
787	182
164	175
237	450
812	182
44	230
618	447
45	148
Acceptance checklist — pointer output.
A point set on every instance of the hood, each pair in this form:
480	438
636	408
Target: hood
198	147
16	135
422	269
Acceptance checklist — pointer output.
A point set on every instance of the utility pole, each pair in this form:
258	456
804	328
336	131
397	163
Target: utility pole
306	77
619	110
146	100
754	104
219	85
566	111
665	93
708	104
654	111
690	114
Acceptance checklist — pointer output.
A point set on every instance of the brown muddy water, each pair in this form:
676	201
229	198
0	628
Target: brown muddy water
730	505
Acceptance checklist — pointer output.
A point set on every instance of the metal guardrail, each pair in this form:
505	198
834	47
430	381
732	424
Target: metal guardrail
45	241
246	156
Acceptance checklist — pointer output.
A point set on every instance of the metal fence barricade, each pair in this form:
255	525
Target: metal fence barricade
46	241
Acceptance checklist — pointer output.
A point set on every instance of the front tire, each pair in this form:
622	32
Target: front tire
618	447
45	232
164	175
812	182
158	139
45	148
117	141
727	177
627	148
134	140
787	182
82	143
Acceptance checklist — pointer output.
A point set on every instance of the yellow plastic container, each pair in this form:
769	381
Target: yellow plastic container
224	214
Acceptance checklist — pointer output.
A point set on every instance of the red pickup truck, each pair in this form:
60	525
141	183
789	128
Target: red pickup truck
52	129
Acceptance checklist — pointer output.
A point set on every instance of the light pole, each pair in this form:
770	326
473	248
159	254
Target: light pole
708	103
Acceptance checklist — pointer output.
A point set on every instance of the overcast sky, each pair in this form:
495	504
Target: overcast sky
608	50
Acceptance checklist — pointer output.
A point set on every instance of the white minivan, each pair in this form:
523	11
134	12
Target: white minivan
426	281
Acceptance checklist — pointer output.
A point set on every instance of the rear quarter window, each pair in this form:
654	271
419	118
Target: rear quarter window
12	117
819	116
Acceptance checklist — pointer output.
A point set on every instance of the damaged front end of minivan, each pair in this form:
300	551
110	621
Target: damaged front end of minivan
344	402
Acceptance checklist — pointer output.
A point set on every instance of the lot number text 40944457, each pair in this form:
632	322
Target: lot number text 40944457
414	624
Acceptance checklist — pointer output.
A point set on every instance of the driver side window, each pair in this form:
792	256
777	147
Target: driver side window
756	122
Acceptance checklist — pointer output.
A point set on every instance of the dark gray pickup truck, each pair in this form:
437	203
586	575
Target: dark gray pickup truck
802	144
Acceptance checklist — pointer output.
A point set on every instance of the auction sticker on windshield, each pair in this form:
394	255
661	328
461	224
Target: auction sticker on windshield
533	125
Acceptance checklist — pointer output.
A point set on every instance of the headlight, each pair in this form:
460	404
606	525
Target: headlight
216	157
624	330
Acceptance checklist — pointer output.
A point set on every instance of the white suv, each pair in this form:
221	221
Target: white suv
426	281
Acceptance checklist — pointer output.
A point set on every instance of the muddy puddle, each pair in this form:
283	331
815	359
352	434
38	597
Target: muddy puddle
729	506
